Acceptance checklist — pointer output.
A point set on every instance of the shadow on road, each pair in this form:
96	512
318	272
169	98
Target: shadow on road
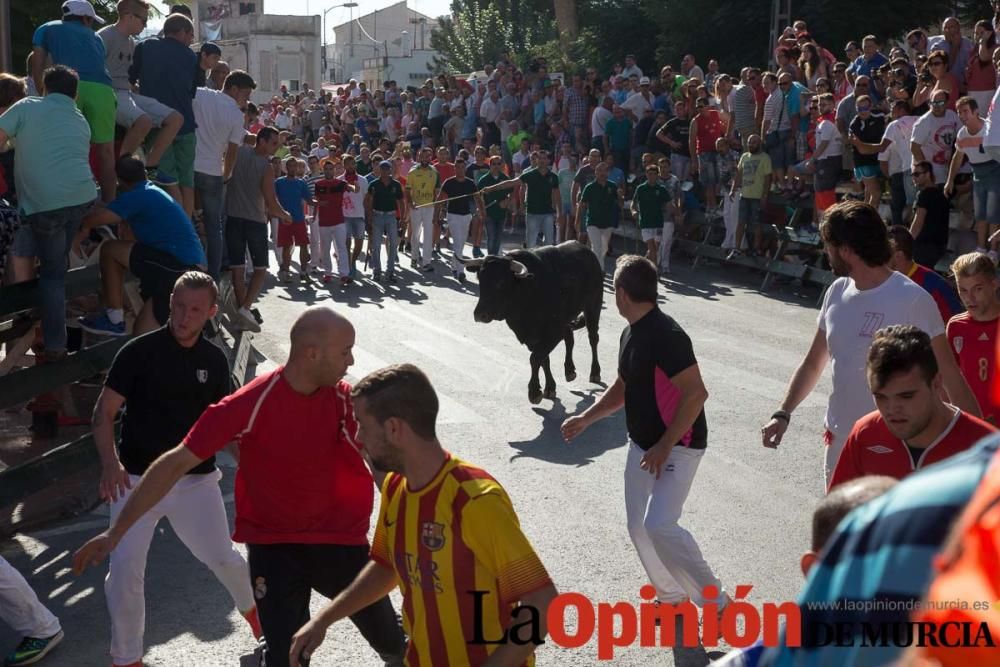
550	446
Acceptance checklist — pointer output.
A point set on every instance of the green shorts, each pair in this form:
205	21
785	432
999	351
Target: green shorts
99	105
178	159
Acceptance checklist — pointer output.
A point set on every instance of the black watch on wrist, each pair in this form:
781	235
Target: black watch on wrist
783	415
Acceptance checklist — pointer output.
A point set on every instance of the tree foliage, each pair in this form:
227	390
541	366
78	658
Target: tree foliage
480	31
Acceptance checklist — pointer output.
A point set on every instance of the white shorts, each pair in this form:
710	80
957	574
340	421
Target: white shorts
651	234
132	105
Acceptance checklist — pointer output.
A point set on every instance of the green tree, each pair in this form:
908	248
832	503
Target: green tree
480	31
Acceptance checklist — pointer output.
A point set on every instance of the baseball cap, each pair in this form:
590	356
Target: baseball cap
385	164
80	8
644	81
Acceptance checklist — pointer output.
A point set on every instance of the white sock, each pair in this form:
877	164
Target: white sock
116	315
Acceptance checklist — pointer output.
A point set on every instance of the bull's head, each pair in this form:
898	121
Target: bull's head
498	280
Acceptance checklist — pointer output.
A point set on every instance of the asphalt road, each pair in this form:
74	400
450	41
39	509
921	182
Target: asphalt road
750	507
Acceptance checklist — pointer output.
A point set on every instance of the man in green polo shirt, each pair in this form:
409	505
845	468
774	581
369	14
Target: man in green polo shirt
493	207
55	187
599	202
542	199
652	198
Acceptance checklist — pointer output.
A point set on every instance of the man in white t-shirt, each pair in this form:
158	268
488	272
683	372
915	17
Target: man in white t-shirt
985	171
867	296
602	114
354	211
828	156
934	136
219	133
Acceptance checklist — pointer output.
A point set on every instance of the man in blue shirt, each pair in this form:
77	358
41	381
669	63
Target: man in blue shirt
869	61
55	187
165	69
72	42
166	246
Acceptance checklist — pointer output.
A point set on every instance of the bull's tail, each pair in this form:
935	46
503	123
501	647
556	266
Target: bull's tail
578	323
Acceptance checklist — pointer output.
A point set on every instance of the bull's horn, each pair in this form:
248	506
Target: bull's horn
519	269
472	263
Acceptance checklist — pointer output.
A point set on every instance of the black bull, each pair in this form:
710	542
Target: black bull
544	295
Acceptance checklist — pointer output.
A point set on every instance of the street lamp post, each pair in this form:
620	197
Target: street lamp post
349	6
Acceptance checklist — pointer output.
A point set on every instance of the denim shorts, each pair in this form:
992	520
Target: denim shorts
750	212
24	242
863	171
708	168
986	193
355	227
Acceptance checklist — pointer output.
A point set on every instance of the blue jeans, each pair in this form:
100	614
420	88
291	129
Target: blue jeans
494	235
540	222
384	224
54	231
210	189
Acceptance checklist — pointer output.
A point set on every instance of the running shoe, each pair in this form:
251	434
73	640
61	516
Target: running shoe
101	325
327	279
32	649
427	268
345	281
392	277
247	321
157	177
284	275
477	252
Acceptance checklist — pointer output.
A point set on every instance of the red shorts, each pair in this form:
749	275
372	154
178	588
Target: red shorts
292	233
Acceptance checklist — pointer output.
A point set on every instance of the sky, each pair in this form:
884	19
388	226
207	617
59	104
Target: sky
433	8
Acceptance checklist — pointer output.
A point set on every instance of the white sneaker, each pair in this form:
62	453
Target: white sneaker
247	320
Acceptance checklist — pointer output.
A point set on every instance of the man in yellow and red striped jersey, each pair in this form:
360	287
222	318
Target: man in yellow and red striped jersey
446	534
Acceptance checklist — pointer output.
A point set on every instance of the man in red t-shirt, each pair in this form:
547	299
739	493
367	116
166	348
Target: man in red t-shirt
304	491
332	230
973	334
912	427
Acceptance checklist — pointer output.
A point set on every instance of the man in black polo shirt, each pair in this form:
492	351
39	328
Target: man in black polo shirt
660	386
385	194
930	217
165	379
460	190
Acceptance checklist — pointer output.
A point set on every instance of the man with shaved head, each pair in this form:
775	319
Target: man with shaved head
304	490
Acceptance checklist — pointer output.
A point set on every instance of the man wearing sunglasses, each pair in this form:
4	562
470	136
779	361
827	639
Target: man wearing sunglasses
934	136
138	113
958	48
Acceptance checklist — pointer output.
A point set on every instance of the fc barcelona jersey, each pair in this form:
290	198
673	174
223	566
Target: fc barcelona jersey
456	535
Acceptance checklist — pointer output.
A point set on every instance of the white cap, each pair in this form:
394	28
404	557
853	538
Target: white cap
80	8
644	81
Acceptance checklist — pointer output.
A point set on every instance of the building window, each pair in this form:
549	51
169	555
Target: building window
291	84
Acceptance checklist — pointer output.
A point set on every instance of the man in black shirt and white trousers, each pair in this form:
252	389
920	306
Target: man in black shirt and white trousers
661	389
165	379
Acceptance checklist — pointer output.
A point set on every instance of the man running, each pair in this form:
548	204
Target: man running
867	297
912	426
973	334
465	536
165	379
304	492
660	387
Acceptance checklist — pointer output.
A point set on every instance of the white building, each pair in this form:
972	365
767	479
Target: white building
274	49
397	35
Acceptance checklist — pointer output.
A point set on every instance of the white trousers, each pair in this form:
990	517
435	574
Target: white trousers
422	234
666	242
831	454
731	218
197	514
600	241
314	241
669	554
20	608
459	227
335	236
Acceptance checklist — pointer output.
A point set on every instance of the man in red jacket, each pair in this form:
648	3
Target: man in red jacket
912	427
304	491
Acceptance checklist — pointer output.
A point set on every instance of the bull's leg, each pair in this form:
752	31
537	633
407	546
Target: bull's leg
535	389
570	367
550	382
593	314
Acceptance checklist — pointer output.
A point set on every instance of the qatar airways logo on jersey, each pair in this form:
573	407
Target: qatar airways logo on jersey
419	572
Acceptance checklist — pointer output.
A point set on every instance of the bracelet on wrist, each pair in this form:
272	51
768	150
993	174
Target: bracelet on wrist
783	415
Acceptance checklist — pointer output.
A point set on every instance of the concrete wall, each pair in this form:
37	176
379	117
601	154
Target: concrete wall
275	49
409	71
